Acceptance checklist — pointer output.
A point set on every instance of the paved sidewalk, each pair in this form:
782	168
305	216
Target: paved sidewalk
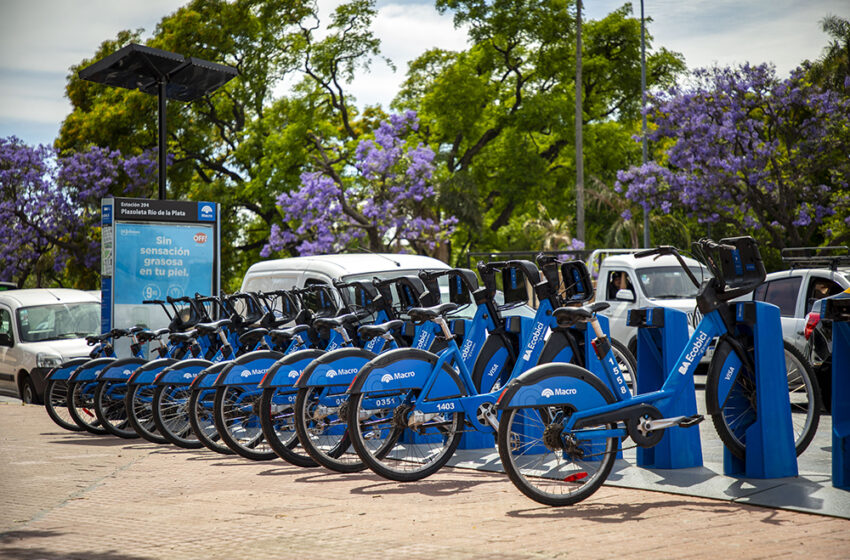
79	496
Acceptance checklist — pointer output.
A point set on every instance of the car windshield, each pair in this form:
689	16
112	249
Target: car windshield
669	282
58	321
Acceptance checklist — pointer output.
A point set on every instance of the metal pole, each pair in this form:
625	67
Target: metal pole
646	242
162	131
579	141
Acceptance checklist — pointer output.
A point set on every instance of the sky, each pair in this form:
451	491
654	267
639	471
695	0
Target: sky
41	39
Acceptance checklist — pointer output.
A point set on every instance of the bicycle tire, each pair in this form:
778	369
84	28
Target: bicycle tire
238	423
110	409
380	431
278	425
202	419
555	477
81	406
170	414
56	404
138	402
326	439
737	413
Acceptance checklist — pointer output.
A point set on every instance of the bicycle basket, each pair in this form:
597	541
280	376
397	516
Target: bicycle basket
578	287
411	293
460	283
742	269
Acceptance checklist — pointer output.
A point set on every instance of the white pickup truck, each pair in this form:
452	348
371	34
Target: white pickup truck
626	282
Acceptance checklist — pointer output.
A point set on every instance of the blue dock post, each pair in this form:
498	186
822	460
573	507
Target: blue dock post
662	335
838	310
770	451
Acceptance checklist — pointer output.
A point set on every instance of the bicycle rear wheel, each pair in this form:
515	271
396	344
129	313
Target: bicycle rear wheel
323	432
737	411
202	419
277	418
139	406
110	410
237	421
56	404
546	463
81	406
385	439
171	415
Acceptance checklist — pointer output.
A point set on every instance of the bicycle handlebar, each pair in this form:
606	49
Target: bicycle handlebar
670	250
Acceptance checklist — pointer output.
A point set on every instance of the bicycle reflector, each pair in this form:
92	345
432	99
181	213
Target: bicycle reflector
575	477
812	320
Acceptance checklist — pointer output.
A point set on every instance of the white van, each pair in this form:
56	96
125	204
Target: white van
298	272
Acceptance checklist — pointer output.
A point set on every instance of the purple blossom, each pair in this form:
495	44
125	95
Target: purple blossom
390	197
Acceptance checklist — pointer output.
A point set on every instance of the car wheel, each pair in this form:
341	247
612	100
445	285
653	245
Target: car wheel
28	394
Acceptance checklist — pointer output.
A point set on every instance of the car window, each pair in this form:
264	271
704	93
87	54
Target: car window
6	323
819	288
617	280
669	282
58	321
781	293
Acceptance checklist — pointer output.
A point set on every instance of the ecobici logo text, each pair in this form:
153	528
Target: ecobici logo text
695	351
388	377
539	328
549	393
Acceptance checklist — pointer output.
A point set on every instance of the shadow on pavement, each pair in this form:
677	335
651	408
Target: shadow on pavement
423	487
617	512
11	536
42	554
92	439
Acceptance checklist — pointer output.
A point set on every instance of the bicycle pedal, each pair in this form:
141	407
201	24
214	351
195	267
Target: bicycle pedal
691	421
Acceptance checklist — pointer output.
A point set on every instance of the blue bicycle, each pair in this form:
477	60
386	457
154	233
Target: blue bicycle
561	425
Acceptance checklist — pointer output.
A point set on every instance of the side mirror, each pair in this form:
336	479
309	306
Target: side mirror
625	295
6	340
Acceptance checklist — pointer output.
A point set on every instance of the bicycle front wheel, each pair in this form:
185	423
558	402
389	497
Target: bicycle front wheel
81	406
322	430
56	404
110	410
171	415
202	419
277	417
139	406
237	421
737	411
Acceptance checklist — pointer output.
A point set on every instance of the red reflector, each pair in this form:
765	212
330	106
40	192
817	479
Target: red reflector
576	477
812	320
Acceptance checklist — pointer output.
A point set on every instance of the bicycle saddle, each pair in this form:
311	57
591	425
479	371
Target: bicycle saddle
373	331
147	336
287	334
252	337
335	322
568	316
429	313
187	336
207	328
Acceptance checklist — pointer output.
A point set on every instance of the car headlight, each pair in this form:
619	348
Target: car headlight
44	360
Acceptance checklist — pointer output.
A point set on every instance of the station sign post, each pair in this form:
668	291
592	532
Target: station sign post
152	249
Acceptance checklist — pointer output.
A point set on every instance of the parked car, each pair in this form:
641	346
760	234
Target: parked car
40	329
815	273
626	283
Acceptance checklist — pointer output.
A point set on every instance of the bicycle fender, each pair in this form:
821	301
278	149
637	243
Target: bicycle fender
207	377
285	371
555	384
89	370
406	368
248	369
65	370
146	373
120	370
181	373
490	363
334	368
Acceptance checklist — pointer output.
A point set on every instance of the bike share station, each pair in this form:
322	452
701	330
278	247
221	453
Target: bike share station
155	250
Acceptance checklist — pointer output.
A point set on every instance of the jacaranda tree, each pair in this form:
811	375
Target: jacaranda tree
385	201
50	208
743	149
